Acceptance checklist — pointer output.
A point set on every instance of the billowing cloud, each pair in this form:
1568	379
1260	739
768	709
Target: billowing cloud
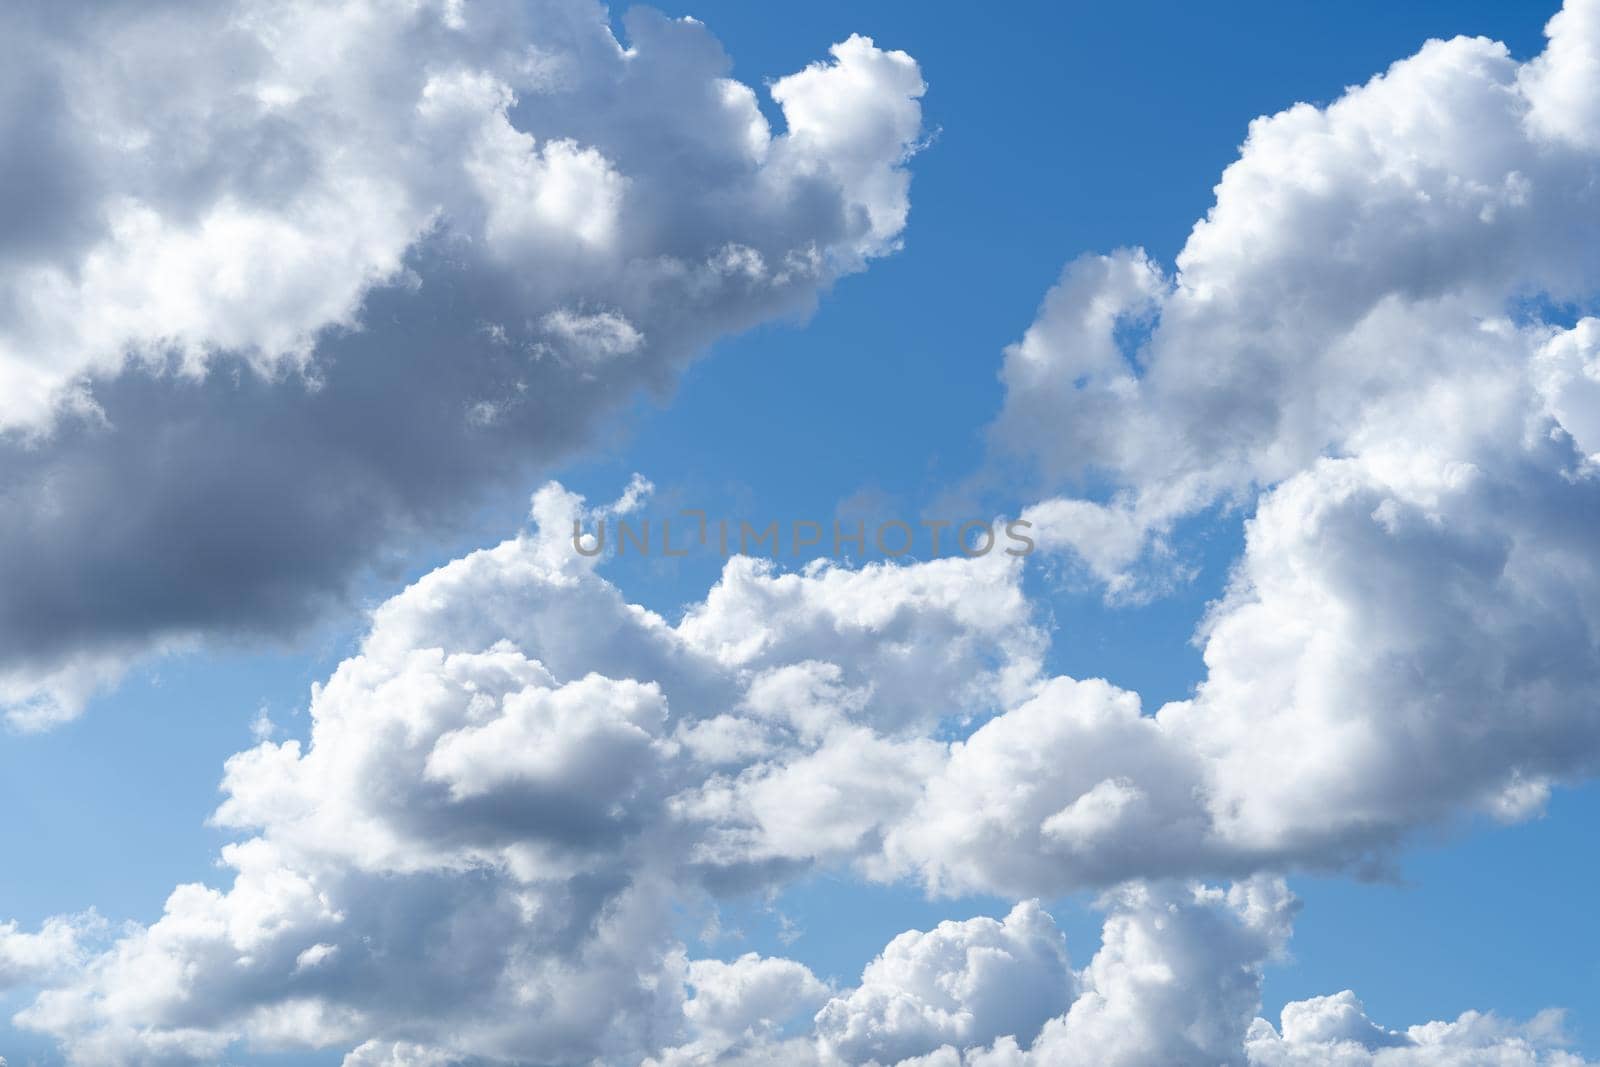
741	1008
1376	346
1176	980
511	789
519	783
962	984
285	281
1399	646
1335	1032
1364	265
520	786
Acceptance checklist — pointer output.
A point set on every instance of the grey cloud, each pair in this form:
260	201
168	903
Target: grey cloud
273	315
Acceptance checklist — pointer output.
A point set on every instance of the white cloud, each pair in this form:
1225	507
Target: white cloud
844	133
962	984
397	1054
481	847
1177	980
290	284
57	949
1404	642
1362	345
1054	793
356	157
749	998
1334	1031
520	786
1359	259
593	337
1560	85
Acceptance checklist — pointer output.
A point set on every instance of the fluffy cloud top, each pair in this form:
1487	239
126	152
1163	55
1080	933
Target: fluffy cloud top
285	280
1361	267
961	984
1376	345
1335	1032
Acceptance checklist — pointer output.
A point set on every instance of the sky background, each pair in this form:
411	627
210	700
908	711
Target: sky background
1057	129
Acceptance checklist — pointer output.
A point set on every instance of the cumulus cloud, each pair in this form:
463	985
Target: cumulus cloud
1425	203
520	785
1399	646
962	984
515	790
740	1008
1055	793
1375	346
287	281
1334	1031
1176	980
508	793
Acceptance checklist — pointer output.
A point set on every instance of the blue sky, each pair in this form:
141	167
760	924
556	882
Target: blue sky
1048	131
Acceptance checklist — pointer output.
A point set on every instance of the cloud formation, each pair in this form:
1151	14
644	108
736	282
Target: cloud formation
521	784
512	786
287	282
518	788
1378	346
961	984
